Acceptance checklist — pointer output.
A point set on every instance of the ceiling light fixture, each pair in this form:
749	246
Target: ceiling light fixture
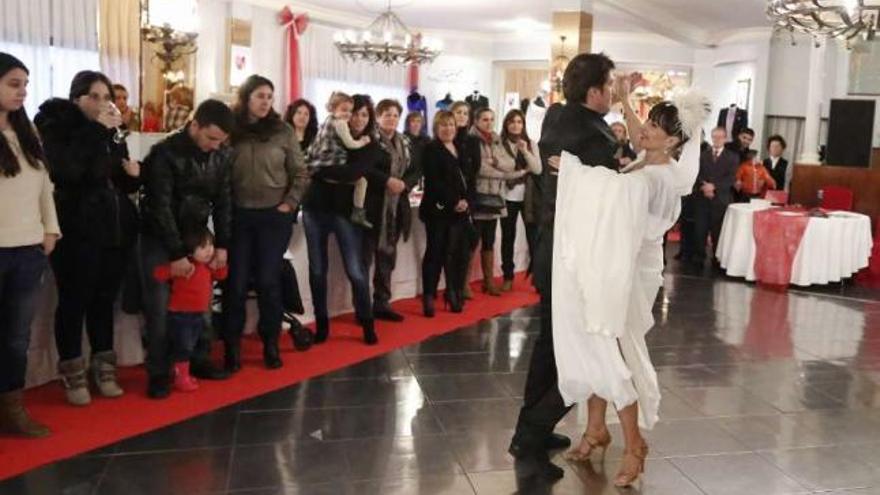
826	19
388	41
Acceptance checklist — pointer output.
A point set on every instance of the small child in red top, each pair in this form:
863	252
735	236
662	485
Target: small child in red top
190	300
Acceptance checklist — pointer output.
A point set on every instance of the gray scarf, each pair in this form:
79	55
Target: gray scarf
397	147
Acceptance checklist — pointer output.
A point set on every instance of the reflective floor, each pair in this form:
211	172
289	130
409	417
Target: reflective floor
764	393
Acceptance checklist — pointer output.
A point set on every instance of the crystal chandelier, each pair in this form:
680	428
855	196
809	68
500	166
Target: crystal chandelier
387	40
841	19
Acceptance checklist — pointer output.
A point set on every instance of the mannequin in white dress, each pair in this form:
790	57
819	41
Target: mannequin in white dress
609	257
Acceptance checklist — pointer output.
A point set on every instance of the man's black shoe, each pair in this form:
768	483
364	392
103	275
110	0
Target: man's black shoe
530	463
557	442
159	387
387	314
207	371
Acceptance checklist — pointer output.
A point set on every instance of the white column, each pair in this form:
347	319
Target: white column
816	74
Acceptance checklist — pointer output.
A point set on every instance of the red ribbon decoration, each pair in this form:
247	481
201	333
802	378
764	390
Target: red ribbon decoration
777	239
295	25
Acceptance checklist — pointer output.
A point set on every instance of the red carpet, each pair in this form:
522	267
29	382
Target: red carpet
107	421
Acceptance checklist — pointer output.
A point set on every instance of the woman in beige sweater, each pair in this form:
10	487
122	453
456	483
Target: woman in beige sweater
489	204
28	231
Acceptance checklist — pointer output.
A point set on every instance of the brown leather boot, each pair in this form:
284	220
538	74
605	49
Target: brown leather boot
15	419
487	259
507	286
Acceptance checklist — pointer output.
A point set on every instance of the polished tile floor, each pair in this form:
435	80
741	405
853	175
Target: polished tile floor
764	393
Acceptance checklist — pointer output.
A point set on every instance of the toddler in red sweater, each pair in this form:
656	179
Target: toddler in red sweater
190	300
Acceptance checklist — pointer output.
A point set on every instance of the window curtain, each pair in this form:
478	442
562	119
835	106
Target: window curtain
54	38
120	44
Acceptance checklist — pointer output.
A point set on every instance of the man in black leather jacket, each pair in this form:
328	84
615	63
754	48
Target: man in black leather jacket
186	182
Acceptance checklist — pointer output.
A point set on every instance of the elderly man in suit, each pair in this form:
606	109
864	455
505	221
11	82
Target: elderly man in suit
713	192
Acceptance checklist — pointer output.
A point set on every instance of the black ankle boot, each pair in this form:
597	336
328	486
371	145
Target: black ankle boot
428	305
322	330
232	357
454	300
271	354
370	337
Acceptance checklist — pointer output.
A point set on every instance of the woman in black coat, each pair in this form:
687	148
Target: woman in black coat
444	210
93	177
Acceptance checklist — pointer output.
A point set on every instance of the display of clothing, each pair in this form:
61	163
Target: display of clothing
415	102
477	101
734	119
445	103
535	113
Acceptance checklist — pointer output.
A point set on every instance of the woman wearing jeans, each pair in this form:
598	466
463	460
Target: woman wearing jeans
521	154
28	231
327	209
269	177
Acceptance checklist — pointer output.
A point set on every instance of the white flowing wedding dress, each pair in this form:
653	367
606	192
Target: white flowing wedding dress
607	270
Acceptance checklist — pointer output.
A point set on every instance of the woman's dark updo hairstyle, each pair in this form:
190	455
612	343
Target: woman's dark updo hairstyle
21	125
665	116
263	128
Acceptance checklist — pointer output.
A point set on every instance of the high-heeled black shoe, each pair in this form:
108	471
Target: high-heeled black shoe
322	330
428	305
271	354
370	337
454	300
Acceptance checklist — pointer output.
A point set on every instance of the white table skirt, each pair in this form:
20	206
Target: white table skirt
406	282
831	250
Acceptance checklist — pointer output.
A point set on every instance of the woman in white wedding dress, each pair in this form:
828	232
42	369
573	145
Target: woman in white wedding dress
609	261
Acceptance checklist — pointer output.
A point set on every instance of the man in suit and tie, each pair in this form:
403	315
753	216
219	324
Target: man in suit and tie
713	192
733	119
776	165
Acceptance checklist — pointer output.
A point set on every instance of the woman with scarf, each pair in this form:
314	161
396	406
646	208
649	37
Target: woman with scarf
520	195
269	178
389	212
489	204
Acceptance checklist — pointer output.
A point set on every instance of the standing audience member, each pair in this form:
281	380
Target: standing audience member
130	118
518	153
180	105
489	204
28	233
712	194
93	177
413	127
777	165
302	117
190	300
444	210
269	178
753	180
327	209
469	146
389	212
186	181
625	152
743	143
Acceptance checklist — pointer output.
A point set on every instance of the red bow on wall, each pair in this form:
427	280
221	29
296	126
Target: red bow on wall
295	25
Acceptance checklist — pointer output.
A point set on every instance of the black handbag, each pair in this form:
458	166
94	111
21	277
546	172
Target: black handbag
489	204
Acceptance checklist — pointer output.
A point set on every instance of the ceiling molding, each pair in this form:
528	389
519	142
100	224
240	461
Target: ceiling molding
744	35
661	21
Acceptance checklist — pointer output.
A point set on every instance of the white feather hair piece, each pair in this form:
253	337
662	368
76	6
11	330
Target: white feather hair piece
693	107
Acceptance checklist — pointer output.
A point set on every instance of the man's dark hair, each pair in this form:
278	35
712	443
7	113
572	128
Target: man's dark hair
197	237
215	112
779	139
585	71
748	130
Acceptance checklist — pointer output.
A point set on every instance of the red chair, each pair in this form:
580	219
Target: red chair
837	198
776	197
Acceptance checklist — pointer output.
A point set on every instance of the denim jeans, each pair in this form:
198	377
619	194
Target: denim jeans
21	277
88	279
259	239
318	227
185	330
152	253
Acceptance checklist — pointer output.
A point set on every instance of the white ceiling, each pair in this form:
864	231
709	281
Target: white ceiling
697	22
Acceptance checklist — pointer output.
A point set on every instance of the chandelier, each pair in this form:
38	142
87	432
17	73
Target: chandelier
388	41
171	26
841	19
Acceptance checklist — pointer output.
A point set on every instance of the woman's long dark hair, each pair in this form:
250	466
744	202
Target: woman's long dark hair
311	127
262	128
361	101
505	134
21	125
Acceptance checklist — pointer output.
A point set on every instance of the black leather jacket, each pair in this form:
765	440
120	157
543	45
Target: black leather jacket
183	187
91	186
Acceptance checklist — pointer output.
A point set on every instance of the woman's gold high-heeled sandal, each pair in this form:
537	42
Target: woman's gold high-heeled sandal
601	442
632	467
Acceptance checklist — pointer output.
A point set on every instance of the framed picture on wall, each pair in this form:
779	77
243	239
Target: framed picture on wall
238	53
743	93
